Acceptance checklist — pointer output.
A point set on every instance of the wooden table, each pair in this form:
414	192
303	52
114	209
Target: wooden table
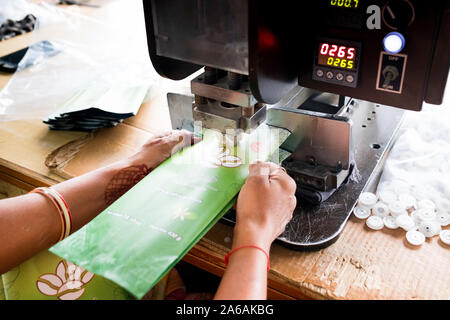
362	264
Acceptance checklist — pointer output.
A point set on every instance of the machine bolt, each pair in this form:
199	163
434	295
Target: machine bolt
234	81
311	160
199	100
210	75
337	168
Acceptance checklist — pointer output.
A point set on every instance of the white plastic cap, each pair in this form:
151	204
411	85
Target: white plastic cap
415	238
380	209
375	223
397	208
445	236
426	214
367	199
405	222
443	218
408	200
390	222
426	203
415	217
388	196
361	212
429	228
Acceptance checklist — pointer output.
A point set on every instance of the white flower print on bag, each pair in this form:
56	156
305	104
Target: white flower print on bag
68	283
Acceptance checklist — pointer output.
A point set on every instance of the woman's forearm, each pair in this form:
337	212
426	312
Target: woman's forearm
264	207
92	193
246	275
31	223
26	230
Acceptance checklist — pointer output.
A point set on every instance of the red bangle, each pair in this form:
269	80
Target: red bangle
227	257
63	209
67	208
50	196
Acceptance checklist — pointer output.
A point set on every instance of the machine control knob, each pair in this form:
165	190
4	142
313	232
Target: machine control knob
390	73
394	42
398	14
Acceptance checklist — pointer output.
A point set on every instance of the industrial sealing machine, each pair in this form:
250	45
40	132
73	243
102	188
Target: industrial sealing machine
336	73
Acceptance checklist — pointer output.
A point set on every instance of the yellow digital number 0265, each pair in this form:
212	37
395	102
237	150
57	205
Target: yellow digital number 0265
337	62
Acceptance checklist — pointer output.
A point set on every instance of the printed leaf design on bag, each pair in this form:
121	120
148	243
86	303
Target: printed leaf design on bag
224	158
68	282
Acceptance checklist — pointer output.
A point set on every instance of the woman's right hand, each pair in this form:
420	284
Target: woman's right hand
265	205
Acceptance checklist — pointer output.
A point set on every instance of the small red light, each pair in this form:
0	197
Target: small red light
266	38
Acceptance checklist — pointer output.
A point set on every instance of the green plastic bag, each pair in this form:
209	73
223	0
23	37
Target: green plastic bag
141	236
48	277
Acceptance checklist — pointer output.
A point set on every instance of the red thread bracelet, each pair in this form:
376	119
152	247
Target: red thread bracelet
227	257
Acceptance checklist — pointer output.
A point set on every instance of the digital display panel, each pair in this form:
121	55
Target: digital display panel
338	56
349	4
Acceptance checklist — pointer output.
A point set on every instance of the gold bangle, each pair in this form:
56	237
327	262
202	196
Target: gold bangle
65	210
50	196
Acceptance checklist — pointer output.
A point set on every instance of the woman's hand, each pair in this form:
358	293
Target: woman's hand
160	147
265	205
154	152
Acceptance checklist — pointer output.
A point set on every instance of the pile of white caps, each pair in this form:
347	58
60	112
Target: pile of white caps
397	205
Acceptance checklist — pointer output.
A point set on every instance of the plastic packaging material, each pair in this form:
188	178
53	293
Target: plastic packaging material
141	236
107	49
18	9
98	107
419	163
414	189
11	28
48	277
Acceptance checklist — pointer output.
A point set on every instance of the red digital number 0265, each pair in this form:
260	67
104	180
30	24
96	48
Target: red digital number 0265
337	51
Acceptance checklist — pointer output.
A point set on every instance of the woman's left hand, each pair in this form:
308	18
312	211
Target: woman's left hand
160	147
